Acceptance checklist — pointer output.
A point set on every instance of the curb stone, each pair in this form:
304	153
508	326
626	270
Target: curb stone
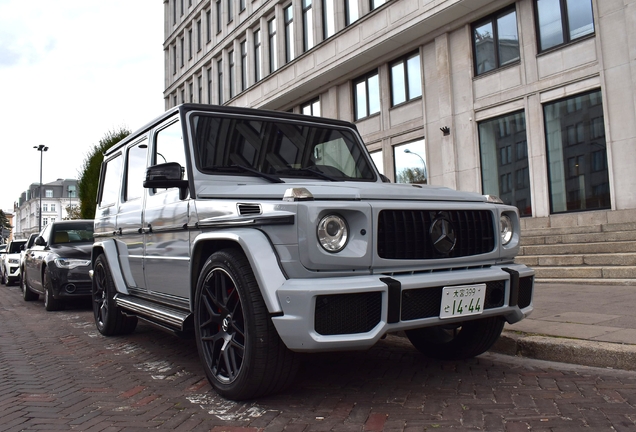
575	351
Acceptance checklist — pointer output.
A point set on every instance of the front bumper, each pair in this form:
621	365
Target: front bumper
327	314
71	283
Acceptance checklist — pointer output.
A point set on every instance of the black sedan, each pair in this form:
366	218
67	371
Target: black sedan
57	265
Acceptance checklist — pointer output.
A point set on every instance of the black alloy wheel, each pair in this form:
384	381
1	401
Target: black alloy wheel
242	354
50	303
109	319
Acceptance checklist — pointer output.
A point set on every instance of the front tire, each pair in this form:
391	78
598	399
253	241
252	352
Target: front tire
27	294
242	354
457	342
50	303
109	318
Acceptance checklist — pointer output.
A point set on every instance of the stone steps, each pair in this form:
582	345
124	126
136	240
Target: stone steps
574	249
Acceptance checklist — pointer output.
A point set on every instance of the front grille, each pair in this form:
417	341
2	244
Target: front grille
405	234
525	291
347	313
426	302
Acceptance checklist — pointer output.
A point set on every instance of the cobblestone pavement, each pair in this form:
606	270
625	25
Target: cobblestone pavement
58	373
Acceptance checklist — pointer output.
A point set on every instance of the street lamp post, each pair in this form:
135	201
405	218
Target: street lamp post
423	163
41	148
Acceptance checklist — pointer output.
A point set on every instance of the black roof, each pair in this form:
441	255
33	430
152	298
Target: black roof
221	109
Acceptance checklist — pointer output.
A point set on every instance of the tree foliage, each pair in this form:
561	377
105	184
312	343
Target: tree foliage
73	212
89	174
412	175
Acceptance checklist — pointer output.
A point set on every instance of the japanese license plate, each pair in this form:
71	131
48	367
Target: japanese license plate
465	300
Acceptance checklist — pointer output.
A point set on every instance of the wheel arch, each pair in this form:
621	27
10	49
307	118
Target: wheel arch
109	249
259	252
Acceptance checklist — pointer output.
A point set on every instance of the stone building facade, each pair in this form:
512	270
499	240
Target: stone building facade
531	100
57	197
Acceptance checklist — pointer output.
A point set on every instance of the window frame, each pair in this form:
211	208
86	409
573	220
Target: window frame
565	27
407	91
365	78
492	19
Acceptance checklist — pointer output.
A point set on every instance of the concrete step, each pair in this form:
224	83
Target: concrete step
585	272
615	260
579	229
608	236
579	248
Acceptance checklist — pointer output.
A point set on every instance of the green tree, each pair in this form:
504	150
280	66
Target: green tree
411	175
5	226
73	212
89	174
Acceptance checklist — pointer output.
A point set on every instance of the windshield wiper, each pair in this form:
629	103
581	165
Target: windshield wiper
235	167
314	171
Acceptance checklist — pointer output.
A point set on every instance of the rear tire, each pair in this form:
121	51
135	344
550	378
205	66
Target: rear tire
27	294
242	354
109	318
457	342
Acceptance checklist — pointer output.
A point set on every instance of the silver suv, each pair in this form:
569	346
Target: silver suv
269	234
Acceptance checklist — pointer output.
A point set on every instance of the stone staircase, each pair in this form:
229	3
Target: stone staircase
586	248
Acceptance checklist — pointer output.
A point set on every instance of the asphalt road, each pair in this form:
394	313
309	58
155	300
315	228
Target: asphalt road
58	373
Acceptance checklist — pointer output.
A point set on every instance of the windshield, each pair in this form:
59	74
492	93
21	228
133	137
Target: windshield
73	233
278	148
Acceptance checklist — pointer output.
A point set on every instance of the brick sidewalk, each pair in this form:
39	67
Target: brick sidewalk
58	373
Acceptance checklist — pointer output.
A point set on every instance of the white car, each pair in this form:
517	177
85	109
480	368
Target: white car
11	262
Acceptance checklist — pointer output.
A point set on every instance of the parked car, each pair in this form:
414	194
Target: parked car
11	262
268	234
3	251
58	264
23	251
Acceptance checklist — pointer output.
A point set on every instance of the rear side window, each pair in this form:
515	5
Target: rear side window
110	184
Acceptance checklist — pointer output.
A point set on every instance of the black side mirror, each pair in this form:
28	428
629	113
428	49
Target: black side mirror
385	179
39	241
167	175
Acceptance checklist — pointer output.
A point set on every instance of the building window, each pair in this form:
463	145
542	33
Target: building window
289	33
273	58
45	221
577	161
190	44
504	157
378	160
208	25
183	100
308	26
191	92
174	100
219	77
48	193
72	191
231	72
406	79
496	41
182	51
174	59
366	94
199	90
410	162
243	65
257	56
210	85
377	3
174	12
52	207
182	8
562	21
311	108
328	19
199	35
230	12
45	207
219	14
351	11
241	5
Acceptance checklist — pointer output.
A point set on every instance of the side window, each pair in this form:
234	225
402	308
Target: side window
110	184
136	170
169	148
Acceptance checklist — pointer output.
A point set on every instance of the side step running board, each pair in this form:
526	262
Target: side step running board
158	313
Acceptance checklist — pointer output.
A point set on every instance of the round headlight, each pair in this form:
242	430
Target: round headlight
506	229
332	233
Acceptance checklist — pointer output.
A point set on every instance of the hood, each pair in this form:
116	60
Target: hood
345	191
73	250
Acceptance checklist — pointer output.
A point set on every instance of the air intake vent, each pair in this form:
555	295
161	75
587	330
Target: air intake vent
249	209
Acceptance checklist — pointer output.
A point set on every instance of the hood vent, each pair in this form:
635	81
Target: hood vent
249	209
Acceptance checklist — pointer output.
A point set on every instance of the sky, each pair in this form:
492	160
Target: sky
71	71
